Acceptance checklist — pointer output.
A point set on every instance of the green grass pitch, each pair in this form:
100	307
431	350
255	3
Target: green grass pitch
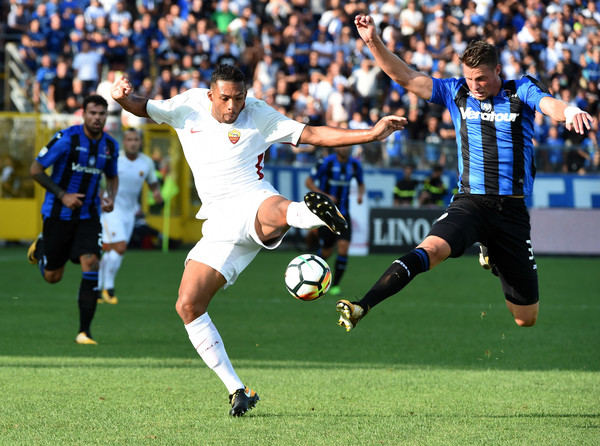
441	363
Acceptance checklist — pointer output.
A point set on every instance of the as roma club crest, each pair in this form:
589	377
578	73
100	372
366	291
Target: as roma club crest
234	136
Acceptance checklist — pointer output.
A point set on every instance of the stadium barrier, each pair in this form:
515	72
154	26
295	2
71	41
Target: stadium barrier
559	204
553	231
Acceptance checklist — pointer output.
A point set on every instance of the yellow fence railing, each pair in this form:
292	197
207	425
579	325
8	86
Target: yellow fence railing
23	135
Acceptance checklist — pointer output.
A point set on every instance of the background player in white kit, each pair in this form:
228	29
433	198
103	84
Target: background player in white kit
224	136
135	168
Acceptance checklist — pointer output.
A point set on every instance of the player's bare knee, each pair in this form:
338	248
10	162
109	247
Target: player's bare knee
89	262
437	249
188	309
181	307
53	276
525	315
526	322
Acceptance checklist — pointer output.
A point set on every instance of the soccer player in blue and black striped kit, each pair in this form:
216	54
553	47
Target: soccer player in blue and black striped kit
332	176
494	122
79	156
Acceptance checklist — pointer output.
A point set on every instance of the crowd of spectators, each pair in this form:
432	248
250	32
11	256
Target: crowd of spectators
304	57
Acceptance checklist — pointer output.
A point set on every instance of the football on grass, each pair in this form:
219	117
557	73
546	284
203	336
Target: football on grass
307	277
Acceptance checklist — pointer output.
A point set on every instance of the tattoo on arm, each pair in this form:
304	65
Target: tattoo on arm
43	179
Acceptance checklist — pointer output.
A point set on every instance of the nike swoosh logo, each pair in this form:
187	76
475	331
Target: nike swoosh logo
196	130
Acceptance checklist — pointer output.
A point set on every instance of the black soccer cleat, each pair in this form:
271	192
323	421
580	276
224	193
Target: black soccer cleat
242	400
325	209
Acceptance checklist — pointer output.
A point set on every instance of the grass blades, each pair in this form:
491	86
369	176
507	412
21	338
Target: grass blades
441	363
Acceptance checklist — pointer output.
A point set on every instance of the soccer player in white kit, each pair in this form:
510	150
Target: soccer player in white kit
224	136
134	168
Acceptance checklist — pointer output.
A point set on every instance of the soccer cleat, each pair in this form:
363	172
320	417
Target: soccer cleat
350	313
108	296
84	339
242	400
335	290
32	254
325	209
484	258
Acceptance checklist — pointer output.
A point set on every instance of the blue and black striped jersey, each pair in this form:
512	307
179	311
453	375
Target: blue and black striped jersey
494	137
334	178
77	166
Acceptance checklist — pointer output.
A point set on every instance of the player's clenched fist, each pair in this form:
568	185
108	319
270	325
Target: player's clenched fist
365	27
121	88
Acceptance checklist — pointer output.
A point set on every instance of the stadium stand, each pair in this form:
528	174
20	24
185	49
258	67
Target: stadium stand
167	46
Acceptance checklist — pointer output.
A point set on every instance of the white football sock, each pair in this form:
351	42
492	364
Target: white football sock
110	264
300	216
101	271
209	345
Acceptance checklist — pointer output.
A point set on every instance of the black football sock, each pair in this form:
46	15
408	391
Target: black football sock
87	300
340	269
41	256
397	276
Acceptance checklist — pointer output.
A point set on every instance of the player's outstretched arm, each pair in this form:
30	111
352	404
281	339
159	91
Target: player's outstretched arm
326	136
419	83
122	92
575	119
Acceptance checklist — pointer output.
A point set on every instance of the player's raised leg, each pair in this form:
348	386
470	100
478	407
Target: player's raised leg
277	214
198	286
432	251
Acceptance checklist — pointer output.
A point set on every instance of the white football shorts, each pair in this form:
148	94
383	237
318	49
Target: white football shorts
229	240
117	226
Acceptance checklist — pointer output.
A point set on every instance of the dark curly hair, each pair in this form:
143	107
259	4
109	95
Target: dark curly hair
94	99
227	73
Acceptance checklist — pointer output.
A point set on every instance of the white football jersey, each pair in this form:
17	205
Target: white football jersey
226	159
132	174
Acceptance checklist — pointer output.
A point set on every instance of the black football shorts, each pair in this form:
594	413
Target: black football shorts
66	240
502	225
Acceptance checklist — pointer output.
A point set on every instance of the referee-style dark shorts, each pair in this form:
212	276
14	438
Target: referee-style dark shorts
501	224
66	240
327	238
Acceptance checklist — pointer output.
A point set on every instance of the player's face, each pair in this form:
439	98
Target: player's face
482	81
228	99
94	118
132	142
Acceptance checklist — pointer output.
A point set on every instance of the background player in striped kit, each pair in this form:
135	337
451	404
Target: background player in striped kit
71	231
494	121
332	176
134	168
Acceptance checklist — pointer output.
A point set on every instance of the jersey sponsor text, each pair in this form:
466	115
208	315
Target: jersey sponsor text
469	113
